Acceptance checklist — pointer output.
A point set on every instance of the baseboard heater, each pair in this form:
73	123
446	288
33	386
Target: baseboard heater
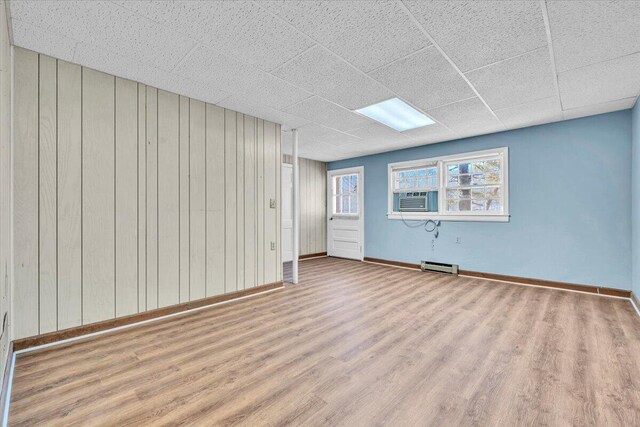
439	267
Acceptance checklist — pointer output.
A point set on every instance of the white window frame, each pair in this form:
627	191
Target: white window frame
442	214
332	196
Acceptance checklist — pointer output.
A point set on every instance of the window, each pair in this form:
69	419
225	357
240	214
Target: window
345	194
464	187
415	179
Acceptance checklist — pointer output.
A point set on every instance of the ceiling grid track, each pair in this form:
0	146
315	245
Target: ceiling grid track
547	27
352	66
455	67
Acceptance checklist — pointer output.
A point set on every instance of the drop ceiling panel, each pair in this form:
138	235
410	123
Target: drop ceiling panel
602	82
108	26
515	81
307	64
368	34
287	120
425	79
375	133
588	32
44	41
606	107
478	33
430	134
325	152
328	114
127	68
316	133
238	29
532	113
322	73
465	116
258	87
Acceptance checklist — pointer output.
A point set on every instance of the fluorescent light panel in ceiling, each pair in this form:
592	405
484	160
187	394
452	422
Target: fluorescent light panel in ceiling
396	114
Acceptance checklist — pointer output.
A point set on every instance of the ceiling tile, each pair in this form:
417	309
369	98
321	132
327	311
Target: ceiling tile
465	116
368	34
602	82
43	41
425	79
112	63
315	132
324	74
430	134
515	81
606	107
238	29
245	106
328	114
478	33
107	26
532	113
242	80
588	32
376	134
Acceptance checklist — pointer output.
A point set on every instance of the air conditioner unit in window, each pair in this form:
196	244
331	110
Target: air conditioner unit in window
423	201
413	202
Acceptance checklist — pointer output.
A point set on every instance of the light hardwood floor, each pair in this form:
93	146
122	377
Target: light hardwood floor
353	344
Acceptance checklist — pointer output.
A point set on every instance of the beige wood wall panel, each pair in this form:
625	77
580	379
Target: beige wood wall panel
215	200
304	206
130	198
152	198
168	198
197	201
142	197
240	201
270	267
98	232
5	182
25	215
47	134
250	198
312	208
313	205
278	166
69	195
184	198
261	201
318	208
231	221
323	206
126	207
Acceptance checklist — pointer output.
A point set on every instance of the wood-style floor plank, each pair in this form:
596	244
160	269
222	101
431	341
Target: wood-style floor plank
352	344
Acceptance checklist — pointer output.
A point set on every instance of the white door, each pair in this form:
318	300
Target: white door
287	212
345	213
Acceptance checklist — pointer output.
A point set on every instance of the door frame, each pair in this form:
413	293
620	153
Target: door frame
330	173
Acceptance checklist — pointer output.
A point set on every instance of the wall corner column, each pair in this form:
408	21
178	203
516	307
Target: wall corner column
296	208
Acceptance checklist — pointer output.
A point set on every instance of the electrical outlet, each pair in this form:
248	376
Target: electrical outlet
458	240
273	246
272	203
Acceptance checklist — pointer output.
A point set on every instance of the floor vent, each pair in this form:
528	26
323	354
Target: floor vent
439	267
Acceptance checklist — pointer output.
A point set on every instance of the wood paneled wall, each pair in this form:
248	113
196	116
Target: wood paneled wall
313	205
5	187
130	198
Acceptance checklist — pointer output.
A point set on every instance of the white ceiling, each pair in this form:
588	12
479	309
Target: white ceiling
475	67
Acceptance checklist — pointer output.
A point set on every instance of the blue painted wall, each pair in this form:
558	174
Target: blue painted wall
570	187
635	198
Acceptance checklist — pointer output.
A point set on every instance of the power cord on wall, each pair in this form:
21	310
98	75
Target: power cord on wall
430	225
